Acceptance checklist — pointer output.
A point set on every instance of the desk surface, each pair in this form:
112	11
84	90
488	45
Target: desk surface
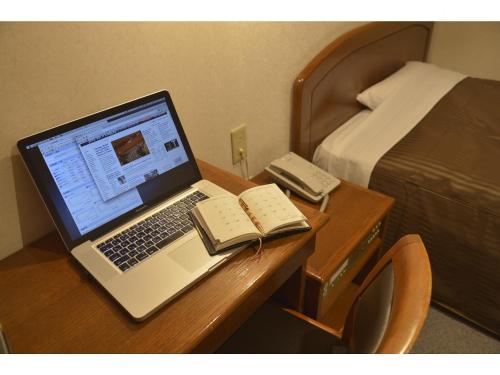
49	305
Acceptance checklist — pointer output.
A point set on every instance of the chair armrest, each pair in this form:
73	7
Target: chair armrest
313	322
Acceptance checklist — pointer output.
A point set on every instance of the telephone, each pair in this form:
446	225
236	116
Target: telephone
302	177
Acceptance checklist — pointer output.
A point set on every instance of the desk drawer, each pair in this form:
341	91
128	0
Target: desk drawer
319	296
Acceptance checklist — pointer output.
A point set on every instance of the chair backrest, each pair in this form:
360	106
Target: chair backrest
392	302
4	344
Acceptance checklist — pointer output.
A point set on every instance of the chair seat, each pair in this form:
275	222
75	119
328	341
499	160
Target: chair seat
272	330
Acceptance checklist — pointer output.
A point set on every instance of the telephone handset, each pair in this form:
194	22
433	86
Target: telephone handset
302	177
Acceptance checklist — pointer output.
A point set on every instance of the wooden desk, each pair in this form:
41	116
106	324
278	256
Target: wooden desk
49	305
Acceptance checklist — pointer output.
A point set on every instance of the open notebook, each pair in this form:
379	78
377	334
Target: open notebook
228	221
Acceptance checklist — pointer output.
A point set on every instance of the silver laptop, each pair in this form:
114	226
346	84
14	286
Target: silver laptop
118	185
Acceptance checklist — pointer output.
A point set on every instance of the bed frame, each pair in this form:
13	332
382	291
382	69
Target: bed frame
324	93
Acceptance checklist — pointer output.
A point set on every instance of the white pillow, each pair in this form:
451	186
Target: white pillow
375	95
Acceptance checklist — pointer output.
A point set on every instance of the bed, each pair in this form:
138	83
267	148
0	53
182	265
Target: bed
443	172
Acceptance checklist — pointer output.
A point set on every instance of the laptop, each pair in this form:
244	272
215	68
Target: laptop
118	185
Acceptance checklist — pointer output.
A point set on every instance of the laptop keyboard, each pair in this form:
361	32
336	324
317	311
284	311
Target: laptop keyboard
137	243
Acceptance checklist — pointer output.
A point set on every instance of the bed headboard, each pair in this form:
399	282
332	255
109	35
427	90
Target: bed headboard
324	93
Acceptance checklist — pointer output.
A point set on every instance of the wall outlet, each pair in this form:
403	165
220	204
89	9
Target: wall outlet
239	141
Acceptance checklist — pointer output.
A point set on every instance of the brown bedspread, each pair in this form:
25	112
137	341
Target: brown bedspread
445	176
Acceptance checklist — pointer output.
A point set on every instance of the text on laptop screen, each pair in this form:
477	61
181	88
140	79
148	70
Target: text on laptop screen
98	168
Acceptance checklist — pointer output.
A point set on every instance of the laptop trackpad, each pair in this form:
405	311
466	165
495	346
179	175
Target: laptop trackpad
191	255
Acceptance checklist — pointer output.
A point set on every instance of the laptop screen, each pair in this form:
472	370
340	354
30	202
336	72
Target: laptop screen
96	170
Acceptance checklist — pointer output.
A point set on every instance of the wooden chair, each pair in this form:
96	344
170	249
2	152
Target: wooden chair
386	316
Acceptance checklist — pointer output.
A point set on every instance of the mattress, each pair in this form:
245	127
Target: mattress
445	176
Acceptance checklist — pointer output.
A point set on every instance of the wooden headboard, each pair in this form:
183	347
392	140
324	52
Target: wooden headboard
325	91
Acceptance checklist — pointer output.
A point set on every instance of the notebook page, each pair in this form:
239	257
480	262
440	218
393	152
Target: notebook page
225	218
271	207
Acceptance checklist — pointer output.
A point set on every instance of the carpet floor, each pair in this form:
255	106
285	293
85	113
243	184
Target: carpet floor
444	333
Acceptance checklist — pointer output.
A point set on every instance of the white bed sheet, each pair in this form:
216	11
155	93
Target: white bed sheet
352	151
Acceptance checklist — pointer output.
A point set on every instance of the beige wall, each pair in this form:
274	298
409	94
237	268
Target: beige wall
472	48
220	75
